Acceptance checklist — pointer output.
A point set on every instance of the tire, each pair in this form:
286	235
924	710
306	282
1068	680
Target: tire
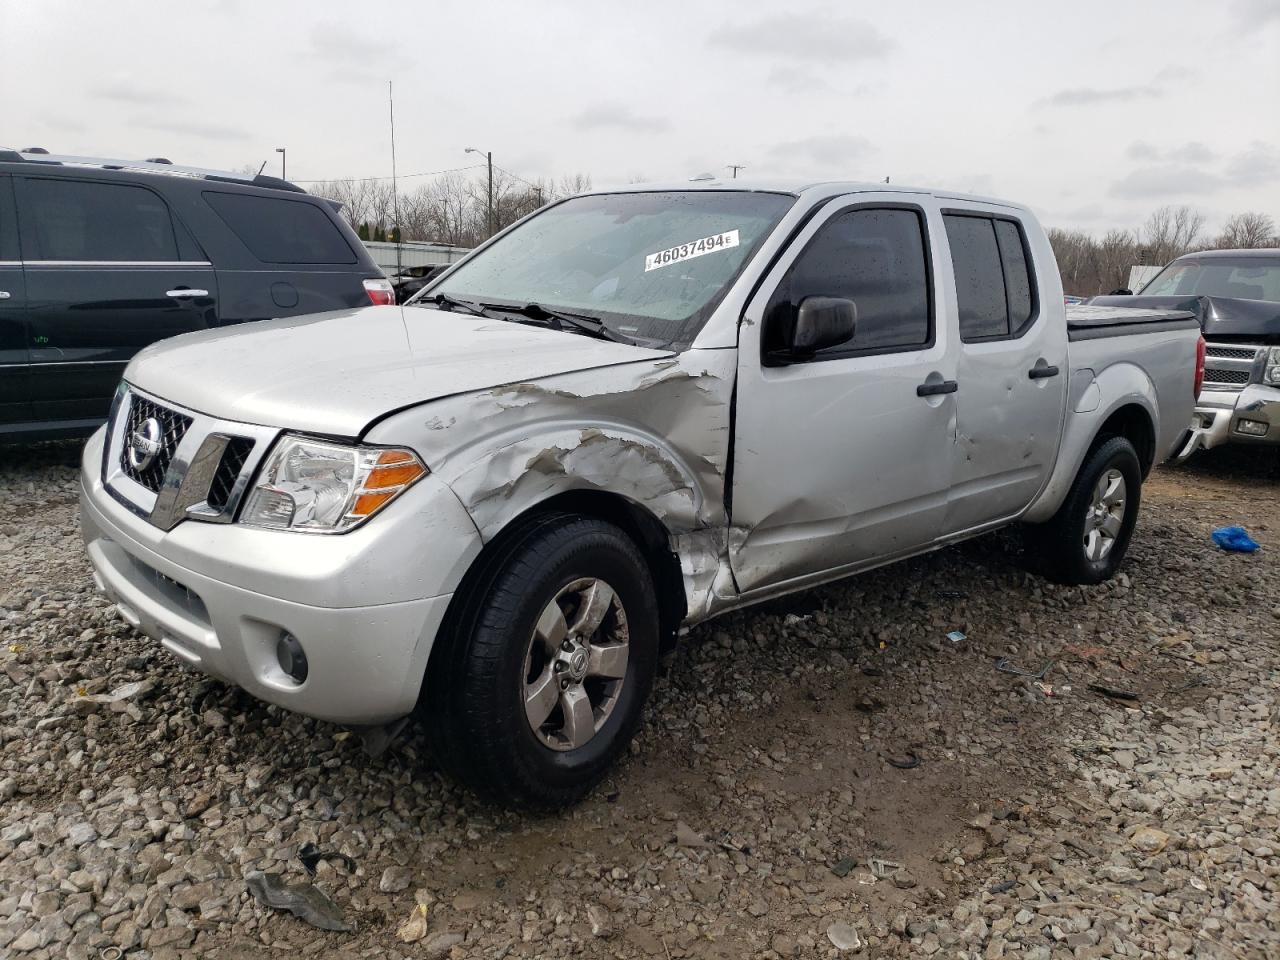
1072	546
507	647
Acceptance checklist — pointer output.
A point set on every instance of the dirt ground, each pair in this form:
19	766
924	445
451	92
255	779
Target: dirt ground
825	766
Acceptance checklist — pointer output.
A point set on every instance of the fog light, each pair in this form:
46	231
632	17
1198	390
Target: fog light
1252	428
291	658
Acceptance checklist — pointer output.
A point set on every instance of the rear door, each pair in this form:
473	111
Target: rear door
14	408
108	271
1012	370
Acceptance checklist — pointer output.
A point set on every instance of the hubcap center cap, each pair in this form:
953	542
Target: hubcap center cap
575	660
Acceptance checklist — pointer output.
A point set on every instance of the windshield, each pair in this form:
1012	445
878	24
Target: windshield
651	266
1243	279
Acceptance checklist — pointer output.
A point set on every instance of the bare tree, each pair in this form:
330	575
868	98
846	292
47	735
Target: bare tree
1170	232
1248	230
451	208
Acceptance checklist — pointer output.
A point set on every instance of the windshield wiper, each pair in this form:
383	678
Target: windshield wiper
562	320
453	303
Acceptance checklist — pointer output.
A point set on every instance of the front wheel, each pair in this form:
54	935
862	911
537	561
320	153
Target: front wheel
549	666
1086	540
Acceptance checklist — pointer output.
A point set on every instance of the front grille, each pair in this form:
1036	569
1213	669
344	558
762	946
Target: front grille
173	427
233	461
1230	353
1235	377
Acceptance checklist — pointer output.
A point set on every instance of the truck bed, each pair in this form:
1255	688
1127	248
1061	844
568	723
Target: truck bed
1088	321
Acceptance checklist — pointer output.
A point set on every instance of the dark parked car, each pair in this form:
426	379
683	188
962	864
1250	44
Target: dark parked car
99	258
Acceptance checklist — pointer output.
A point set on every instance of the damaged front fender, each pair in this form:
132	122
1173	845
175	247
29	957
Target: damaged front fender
654	433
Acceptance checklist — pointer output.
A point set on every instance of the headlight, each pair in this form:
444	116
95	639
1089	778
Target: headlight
323	487
1272	375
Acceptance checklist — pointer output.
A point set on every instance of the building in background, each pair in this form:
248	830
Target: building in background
413	253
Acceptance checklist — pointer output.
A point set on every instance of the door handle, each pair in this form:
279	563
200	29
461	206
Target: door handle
4	294
183	293
1041	373
933	389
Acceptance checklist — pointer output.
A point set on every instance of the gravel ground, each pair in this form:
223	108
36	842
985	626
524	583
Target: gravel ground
830	768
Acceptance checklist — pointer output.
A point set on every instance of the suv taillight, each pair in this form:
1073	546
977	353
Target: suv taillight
1199	365
380	291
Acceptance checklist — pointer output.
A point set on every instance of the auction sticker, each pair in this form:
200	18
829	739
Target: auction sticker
687	251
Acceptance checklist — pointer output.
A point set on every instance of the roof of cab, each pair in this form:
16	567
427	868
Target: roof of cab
797	187
1261	253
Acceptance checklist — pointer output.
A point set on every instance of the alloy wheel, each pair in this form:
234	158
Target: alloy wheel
576	664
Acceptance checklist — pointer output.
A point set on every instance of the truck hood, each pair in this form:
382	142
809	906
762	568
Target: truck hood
335	373
1219	316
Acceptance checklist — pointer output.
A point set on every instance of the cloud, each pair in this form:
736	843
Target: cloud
338	41
1092	96
122	91
813	36
1186	170
1174	179
618	116
1193	152
797	80
1255	14
1258	165
206	131
825	150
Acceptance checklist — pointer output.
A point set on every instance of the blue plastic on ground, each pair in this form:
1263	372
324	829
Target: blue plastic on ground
1235	539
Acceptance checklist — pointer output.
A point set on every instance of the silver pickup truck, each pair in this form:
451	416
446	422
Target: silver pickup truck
628	413
1236	296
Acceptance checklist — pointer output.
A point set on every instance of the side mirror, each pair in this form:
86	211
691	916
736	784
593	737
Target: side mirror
822	322
1122	292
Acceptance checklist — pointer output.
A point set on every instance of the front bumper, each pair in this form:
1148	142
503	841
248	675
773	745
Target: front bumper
1219	414
365	606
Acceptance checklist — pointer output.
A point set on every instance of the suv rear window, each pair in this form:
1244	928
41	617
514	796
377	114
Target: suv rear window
282	231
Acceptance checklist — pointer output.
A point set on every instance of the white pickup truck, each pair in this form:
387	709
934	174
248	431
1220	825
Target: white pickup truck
626	414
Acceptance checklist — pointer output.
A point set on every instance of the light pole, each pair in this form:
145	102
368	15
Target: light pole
488	155
280	150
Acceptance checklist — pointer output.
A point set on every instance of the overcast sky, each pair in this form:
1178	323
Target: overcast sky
1094	113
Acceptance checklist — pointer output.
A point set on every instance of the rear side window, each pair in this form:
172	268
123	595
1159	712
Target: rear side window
79	220
994	289
875	257
282	231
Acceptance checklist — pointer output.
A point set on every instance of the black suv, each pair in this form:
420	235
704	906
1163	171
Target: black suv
99	258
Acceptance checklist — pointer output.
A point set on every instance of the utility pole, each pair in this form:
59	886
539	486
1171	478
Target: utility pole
735	167
280	150
395	189
488	155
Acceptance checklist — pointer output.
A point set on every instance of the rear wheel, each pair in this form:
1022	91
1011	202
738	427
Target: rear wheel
550	663
1087	538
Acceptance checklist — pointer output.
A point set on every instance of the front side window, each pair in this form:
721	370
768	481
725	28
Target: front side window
81	220
875	257
652	266
994	289
1244	278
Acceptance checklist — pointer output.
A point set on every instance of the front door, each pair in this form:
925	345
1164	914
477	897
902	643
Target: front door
1012	371
845	459
106	275
14	408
